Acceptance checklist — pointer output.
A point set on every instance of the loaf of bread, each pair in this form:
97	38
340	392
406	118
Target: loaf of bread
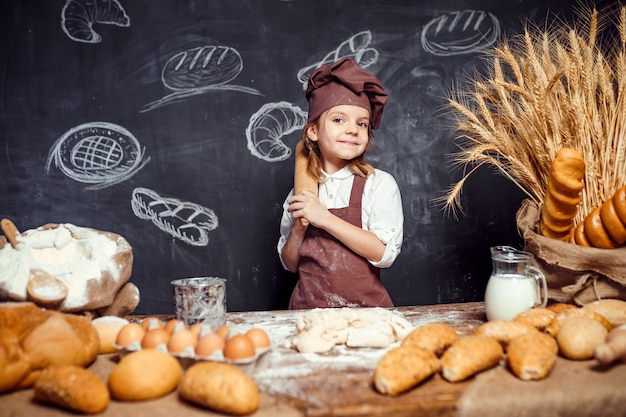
532	355
503	330
469	356
560	204
403	368
33	339
579	336
554	327
220	387
613	310
72	387
605	226
434	337
539	317
144	375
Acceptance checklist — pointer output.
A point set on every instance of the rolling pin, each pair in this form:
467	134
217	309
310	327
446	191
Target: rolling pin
302	179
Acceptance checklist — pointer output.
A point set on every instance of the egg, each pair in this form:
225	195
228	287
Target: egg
155	337
259	338
151	323
169	326
197	329
182	339
132	332
239	347
209	343
223	332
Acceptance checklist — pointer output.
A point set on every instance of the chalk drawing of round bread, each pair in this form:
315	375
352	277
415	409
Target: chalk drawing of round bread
98	153
460	32
79	16
186	221
201	67
268	125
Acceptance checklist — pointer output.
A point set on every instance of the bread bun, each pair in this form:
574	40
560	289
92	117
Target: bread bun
503	330
579	336
469	356
554	327
538	317
403	368
612	309
434	337
532	355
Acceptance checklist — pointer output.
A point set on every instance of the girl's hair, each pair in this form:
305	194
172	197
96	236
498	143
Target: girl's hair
357	165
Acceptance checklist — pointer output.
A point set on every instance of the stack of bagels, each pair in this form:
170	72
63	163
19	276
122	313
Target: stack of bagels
604	227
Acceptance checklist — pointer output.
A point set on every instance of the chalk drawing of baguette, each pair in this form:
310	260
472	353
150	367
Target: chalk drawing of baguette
269	125
186	221
200	70
460	32
355	47
79	16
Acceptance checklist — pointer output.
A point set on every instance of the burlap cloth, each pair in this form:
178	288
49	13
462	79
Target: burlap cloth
575	274
573	389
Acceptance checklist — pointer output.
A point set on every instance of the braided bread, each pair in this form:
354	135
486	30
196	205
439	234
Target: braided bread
562	197
605	226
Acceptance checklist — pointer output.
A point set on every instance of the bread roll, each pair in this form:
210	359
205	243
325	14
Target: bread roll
220	387
554	326
538	317
558	307
144	375
73	388
503	330
469	356
33	339
579	336
612	309
532	355
403	368
565	182
434	337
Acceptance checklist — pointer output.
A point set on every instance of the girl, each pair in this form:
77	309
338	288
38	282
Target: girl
355	221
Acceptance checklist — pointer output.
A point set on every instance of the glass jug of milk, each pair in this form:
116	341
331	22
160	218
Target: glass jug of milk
515	285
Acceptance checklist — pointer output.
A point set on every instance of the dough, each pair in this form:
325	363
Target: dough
320	329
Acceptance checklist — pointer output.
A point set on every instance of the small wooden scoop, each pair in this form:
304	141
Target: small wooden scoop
43	288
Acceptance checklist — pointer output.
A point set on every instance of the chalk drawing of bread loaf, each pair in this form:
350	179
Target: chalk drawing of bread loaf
183	220
79	16
97	153
268	125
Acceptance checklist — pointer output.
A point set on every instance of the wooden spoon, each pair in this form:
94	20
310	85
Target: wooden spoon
43	288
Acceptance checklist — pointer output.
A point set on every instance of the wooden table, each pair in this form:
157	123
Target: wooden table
339	383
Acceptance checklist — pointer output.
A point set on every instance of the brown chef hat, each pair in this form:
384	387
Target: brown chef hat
345	82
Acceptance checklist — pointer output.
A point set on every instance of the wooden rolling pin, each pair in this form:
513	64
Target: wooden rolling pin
302	179
43	288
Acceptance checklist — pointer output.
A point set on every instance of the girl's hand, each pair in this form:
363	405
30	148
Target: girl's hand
306	204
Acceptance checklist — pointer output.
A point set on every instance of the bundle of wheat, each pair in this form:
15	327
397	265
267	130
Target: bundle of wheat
544	90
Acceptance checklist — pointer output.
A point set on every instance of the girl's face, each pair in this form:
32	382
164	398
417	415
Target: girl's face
342	135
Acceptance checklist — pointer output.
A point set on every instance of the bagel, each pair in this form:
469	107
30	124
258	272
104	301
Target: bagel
612	223
596	233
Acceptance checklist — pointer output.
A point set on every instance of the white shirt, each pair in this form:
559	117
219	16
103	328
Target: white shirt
381	211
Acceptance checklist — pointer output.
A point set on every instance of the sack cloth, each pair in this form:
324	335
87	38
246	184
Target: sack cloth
575	274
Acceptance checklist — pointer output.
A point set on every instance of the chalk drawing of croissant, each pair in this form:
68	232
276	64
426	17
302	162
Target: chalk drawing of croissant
199	70
355	47
79	16
186	221
269	125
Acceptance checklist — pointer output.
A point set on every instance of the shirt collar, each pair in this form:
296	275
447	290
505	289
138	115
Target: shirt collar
342	174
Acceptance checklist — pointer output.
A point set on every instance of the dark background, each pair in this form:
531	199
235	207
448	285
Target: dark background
196	147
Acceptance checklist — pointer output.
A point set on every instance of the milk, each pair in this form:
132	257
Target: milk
509	294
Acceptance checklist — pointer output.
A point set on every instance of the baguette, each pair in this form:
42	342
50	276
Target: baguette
469	356
302	179
403	368
565	182
531	356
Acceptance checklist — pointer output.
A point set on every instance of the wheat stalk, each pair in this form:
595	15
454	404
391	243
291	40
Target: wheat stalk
546	89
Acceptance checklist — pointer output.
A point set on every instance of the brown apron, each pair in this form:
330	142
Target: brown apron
331	275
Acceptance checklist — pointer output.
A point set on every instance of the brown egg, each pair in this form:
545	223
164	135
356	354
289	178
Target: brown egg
259	338
223	332
155	337
132	332
239	347
196	329
151	323
181	339
169	326
209	343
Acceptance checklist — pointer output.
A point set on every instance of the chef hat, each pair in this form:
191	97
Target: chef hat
345	82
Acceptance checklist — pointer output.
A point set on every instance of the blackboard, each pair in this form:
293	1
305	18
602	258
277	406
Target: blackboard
211	148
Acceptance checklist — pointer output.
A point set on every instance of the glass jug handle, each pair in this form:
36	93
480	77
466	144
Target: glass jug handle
541	285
